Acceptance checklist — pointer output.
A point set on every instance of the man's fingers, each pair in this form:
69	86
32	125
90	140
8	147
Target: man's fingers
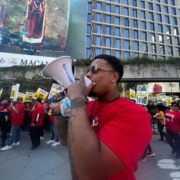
91	86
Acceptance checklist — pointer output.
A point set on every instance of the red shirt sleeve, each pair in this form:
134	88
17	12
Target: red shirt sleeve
127	135
20	107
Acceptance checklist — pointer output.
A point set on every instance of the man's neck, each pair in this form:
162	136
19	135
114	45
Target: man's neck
109	96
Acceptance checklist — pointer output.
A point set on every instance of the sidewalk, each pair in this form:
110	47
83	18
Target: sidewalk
52	163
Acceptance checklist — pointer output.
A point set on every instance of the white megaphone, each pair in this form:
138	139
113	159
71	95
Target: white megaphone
61	71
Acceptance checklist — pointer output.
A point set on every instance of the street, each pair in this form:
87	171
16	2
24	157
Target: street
51	163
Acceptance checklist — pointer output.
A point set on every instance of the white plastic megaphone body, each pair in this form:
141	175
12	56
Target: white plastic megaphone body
61	71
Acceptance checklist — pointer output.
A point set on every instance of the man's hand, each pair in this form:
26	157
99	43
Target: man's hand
79	89
56	106
11	106
33	125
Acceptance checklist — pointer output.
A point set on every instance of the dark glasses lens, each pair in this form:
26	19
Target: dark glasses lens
93	69
174	105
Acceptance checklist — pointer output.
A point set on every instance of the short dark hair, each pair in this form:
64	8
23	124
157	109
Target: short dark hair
38	100
114	62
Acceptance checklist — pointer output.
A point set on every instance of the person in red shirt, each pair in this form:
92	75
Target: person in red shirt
4	120
107	137
54	138
172	121
36	124
17	121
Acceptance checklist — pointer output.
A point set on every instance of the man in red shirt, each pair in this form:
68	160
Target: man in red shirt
36	124
107	137
17	121
172	121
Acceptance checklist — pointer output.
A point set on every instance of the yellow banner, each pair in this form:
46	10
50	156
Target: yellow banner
132	95
141	95
40	93
29	96
12	94
169	101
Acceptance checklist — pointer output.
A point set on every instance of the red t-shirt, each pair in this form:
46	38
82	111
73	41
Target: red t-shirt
172	120
124	127
30	113
46	108
38	110
51	118
17	119
8	109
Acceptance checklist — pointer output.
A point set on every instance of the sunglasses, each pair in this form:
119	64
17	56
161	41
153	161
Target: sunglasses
95	68
174	105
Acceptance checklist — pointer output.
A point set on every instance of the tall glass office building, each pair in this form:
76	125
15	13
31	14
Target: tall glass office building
129	28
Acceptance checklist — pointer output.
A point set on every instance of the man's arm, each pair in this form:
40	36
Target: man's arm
90	158
14	109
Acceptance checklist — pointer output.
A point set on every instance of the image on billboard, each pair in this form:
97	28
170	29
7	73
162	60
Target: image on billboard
48	28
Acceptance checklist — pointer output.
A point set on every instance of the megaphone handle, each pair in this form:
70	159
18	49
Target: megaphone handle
55	100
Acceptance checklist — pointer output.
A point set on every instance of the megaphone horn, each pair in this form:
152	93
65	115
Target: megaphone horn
61	71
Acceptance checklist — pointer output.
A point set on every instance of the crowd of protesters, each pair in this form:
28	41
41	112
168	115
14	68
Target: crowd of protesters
35	117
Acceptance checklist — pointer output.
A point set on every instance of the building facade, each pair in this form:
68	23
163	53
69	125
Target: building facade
129	28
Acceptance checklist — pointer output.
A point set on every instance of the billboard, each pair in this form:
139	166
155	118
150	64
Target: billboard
163	87
41	29
142	94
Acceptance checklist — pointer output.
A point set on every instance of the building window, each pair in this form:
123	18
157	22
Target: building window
98	29
98	17
160	28
98	41
126	12
88	41
174	21
173	11
170	51
150	6
178	51
168	31
135	34
117	21
161	49
117	1
144	47
126	2
165	1
118	44
134	3
126	22
177	41
136	54
172	2
87	53
157	0
89	6
142	4
108	30
175	31
154	56
108	8
127	55
144	37
135	24
118	32
89	18
158	8
108	52
118	54
117	10
142	14
159	18
152	26
167	19
153	37
126	33
108	19
151	17
153	48
99	6
98	51
88	29
166	9
135	13
144	25
136	46
168	40
108	42
161	39
127	45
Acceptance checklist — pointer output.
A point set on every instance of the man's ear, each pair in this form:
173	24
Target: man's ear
115	76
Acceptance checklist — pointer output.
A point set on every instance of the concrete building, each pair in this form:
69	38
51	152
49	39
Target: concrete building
129	28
